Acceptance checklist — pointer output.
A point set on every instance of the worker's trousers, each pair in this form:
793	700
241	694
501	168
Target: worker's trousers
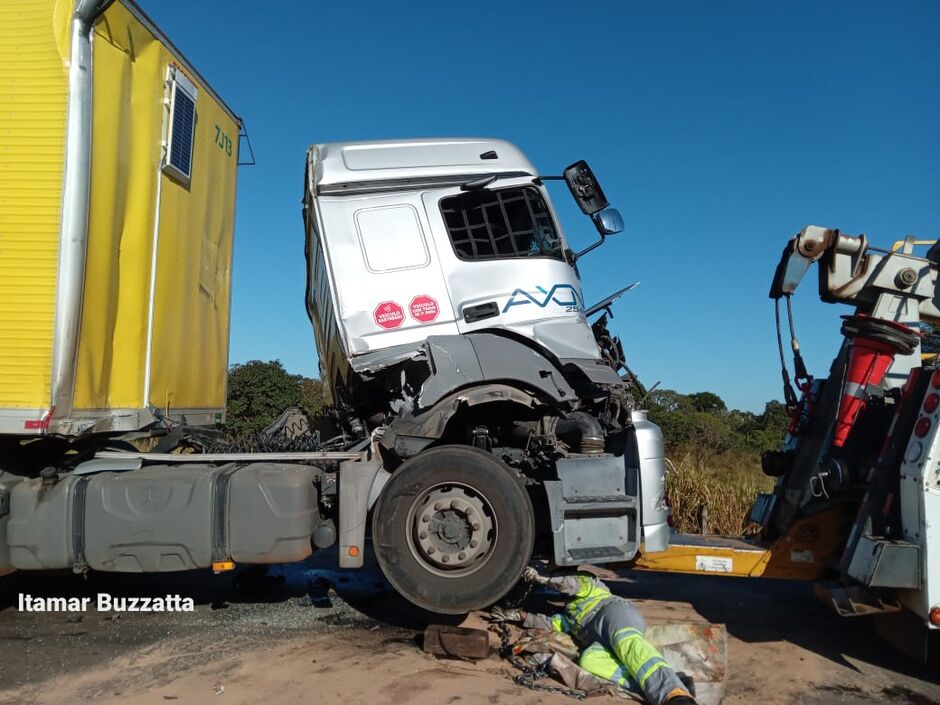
619	652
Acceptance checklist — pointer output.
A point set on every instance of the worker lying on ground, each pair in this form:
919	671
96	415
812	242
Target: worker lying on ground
610	632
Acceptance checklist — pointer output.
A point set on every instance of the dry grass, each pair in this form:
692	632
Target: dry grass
726	487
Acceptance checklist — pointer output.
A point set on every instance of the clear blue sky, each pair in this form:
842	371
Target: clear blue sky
718	128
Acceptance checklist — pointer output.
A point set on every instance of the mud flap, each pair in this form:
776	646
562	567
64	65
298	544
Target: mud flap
356	479
594	514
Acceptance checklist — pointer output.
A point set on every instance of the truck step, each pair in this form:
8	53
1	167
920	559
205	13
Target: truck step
585	555
856	600
594	517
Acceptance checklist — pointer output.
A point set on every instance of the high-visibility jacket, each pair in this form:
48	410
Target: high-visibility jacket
587	593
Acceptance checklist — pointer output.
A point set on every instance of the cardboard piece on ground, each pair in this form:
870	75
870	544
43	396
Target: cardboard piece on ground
700	650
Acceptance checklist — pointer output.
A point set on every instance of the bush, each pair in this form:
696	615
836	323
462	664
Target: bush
725	489
716	457
257	394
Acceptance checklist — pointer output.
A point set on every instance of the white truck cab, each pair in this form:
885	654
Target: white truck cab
411	239
452	331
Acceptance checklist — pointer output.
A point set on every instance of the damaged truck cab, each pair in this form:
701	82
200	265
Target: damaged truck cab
452	331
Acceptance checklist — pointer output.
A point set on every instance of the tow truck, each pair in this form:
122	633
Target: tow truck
856	503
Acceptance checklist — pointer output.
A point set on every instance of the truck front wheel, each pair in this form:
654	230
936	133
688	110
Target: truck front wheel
453	529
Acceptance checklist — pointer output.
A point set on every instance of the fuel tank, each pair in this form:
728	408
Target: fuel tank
163	518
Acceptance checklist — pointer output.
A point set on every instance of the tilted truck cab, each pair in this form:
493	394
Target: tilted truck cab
400	250
448	314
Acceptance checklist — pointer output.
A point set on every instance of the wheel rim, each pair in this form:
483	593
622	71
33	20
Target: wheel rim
451	529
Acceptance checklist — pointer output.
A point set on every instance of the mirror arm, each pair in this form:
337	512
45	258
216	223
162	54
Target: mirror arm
587	249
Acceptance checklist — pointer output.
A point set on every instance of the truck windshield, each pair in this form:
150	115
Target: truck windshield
498	223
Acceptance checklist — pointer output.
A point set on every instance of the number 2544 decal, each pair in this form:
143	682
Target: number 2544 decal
563	295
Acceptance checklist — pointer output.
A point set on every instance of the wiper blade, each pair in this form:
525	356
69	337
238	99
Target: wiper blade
606	302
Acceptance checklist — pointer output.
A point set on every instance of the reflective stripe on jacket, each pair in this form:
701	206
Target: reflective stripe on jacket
591	593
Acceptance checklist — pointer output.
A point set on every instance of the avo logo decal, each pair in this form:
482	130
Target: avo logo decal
564	295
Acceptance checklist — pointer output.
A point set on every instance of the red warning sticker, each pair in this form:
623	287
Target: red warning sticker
388	314
424	309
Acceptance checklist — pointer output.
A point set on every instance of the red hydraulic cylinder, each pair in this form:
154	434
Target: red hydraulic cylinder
875	342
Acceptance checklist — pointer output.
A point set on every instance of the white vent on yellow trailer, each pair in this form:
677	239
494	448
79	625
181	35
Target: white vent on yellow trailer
117	171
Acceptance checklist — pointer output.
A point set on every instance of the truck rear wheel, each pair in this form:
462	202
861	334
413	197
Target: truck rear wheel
453	529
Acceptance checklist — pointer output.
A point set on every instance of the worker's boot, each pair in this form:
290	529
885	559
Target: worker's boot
684	698
687	681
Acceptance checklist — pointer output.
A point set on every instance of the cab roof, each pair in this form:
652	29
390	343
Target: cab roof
361	167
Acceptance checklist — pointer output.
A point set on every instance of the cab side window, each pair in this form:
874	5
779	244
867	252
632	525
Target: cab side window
391	238
501	223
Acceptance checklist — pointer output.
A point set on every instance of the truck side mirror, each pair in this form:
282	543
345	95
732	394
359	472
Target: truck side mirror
608	221
584	187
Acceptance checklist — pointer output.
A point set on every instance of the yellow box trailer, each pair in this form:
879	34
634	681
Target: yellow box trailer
117	199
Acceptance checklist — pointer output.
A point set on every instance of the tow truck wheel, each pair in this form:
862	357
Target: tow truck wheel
453	529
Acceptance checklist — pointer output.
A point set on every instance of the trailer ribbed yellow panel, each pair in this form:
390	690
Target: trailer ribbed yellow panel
33	99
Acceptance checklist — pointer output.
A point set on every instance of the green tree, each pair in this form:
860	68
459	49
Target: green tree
771	427
702	424
667	401
312	396
257	393
744	425
711	435
672	412
707	401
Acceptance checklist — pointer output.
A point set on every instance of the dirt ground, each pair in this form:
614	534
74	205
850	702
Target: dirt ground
309	634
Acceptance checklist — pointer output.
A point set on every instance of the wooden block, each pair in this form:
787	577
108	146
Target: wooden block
459	642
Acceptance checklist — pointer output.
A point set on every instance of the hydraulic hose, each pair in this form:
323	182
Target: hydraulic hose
585	430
